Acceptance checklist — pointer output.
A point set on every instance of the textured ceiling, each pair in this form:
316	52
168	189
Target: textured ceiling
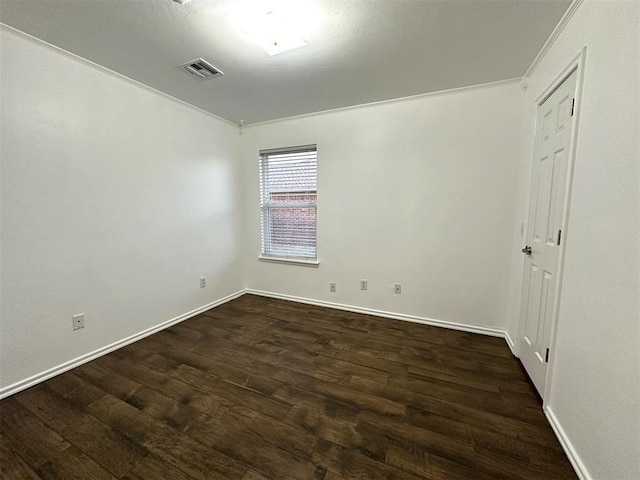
361	51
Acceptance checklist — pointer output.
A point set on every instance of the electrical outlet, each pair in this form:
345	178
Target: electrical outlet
363	284
332	287
397	288
78	321
203	282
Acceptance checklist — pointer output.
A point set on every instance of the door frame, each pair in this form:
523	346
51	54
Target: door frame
577	64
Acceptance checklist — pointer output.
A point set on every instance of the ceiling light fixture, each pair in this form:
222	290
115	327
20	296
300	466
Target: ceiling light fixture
277	26
274	33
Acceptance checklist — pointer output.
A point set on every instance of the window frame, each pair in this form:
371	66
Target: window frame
266	207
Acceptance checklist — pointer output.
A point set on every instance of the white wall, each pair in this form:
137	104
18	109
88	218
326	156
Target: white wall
595	390
418	191
115	200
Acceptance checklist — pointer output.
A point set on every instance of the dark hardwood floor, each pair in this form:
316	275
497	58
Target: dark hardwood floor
266	389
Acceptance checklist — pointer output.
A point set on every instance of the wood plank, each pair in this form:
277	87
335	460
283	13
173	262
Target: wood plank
72	464
29	435
107	447
12	466
351	465
321	426
407	434
271	461
253	475
181	451
153	467
333	408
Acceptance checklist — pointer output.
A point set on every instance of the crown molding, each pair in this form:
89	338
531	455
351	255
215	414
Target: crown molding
19	33
390	101
553	37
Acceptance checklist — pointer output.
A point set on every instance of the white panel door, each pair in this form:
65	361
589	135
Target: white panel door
546	207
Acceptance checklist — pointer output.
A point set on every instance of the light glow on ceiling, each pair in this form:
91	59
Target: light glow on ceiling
277	25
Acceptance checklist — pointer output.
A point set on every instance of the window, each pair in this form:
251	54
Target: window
288	199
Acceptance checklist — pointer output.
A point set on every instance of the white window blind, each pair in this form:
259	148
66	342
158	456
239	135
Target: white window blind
288	199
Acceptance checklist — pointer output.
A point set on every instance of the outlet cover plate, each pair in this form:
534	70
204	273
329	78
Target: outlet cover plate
78	321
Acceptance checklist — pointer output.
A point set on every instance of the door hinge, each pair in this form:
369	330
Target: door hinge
573	104
559	237
546	356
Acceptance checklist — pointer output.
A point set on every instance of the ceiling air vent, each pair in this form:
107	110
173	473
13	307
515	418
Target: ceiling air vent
201	69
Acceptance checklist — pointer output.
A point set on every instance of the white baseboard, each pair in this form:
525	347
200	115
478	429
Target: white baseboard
512	346
567	446
494	332
76	362
52	372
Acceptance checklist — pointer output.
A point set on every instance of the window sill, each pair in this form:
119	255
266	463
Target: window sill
290	261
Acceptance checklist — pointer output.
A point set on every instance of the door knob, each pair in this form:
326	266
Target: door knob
527	250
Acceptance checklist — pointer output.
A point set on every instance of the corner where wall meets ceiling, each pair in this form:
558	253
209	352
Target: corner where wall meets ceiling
349	52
